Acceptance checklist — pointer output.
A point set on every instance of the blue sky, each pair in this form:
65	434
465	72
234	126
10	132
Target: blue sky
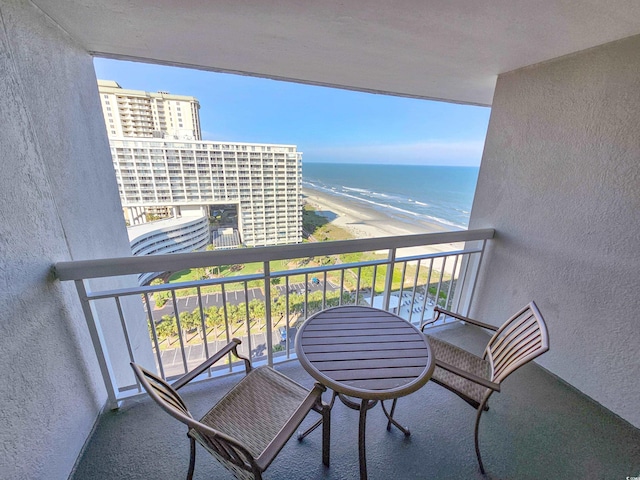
327	125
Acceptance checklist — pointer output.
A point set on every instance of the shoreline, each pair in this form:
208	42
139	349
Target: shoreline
363	221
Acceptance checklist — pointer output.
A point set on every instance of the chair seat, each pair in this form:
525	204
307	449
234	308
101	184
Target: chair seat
464	360
255	410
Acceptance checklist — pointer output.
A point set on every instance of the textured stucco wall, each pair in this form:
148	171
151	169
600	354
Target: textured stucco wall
560	182
58	202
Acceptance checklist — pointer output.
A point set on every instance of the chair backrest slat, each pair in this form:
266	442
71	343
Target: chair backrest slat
519	340
511	329
225	451
228	451
520	355
165	395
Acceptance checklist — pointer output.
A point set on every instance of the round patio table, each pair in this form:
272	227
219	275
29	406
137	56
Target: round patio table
367	354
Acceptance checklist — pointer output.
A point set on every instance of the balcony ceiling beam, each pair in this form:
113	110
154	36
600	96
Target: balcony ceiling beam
452	51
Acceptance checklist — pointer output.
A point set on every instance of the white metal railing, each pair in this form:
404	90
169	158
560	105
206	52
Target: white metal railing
177	325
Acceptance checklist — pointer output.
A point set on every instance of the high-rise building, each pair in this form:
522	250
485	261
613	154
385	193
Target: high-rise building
136	113
163	168
256	187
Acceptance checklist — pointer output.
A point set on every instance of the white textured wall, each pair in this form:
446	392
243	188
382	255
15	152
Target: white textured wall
560	182
58	199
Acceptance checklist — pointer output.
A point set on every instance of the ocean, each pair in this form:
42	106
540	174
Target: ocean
435	194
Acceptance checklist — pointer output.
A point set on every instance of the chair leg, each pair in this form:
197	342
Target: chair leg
326	434
302	435
481	408
192	460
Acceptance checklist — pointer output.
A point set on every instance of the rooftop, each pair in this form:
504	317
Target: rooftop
136	231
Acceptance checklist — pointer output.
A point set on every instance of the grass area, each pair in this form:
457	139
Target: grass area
184	276
320	229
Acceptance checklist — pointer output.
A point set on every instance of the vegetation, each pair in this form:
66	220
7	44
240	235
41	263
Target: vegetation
318	228
152	217
243	319
240	319
162	297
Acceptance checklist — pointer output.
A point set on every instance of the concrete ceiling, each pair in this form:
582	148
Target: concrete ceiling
450	50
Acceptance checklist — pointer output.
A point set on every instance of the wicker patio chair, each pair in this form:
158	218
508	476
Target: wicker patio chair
249	426
518	341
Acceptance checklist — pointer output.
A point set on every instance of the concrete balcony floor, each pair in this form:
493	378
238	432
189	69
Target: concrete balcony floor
536	428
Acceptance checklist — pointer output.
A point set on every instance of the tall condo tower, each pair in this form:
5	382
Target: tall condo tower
136	113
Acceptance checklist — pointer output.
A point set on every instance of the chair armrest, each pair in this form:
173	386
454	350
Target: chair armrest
230	347
439	310
269	453
469	376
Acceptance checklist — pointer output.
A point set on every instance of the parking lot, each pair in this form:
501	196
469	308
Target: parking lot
234	297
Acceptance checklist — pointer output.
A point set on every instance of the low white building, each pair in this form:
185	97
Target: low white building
173	235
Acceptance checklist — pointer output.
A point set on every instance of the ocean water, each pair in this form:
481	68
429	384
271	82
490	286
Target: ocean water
435	194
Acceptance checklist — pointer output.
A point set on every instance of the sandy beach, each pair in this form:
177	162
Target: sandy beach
366	222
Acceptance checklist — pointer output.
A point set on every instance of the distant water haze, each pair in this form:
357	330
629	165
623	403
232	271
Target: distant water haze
435	194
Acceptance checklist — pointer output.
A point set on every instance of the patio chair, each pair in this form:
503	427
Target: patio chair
248	427
518	341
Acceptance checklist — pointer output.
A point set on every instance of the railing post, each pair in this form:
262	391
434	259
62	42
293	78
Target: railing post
470	270
248	317
476	273
388	281
97	338
267	312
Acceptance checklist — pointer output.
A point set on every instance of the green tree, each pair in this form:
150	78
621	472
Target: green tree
187	321
214	318
200	273
161	297
167	328
197	321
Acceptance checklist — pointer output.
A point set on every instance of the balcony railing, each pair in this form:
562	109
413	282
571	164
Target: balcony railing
261	295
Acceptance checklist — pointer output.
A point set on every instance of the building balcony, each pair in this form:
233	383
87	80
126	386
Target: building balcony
558	181
536	428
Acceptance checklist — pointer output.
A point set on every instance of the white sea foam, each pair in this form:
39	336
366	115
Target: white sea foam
386	207
352	189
